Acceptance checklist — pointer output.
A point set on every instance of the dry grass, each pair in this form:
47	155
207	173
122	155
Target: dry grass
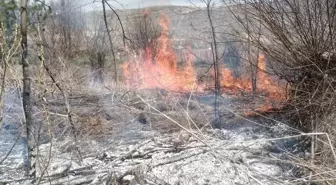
99	108
88	125
301	51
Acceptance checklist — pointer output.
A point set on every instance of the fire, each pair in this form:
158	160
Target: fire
228	82
162	71
266	84
244	83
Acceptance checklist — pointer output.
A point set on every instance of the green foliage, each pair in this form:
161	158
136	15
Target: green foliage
7	8
8	16
39	11
9	12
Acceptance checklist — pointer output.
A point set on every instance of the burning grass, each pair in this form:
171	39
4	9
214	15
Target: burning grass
160	71
162	96
159	80
302	51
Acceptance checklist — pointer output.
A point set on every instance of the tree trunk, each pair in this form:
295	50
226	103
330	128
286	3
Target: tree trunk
214	50
116	76
100	64
254	82
69	50
26	101
249	58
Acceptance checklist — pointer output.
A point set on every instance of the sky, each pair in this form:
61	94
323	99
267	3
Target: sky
129	4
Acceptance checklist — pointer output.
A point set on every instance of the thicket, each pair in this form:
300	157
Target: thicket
299	36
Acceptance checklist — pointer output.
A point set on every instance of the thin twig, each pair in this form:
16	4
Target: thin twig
11	149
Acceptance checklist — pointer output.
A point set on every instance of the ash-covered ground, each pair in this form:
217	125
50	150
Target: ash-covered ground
150	137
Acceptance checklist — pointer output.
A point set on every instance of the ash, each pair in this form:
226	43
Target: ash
130	141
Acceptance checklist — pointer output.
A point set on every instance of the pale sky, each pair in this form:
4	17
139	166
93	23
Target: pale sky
128	4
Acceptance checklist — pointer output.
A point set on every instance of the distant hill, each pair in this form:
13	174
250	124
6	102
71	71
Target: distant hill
189	26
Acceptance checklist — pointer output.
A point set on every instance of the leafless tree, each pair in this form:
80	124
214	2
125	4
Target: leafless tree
26	97
216	58
101	56
299	39
65	27
143	32
97	45
253	61
299	42
104	2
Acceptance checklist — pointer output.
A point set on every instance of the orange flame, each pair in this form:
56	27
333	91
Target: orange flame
264	82
162	71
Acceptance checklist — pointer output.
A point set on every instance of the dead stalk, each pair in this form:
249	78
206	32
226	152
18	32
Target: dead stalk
46	165
116	76
64	93
5	58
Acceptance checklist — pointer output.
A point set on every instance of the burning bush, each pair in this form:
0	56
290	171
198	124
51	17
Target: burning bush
299	38
143	32
158	68
301	47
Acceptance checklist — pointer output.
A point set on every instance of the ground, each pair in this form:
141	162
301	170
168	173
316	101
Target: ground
151	137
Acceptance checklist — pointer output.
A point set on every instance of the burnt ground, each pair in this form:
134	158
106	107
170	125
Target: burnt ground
151	137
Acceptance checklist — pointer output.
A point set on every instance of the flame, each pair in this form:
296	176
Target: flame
149	71
244	83
162	70
228	82
266	84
